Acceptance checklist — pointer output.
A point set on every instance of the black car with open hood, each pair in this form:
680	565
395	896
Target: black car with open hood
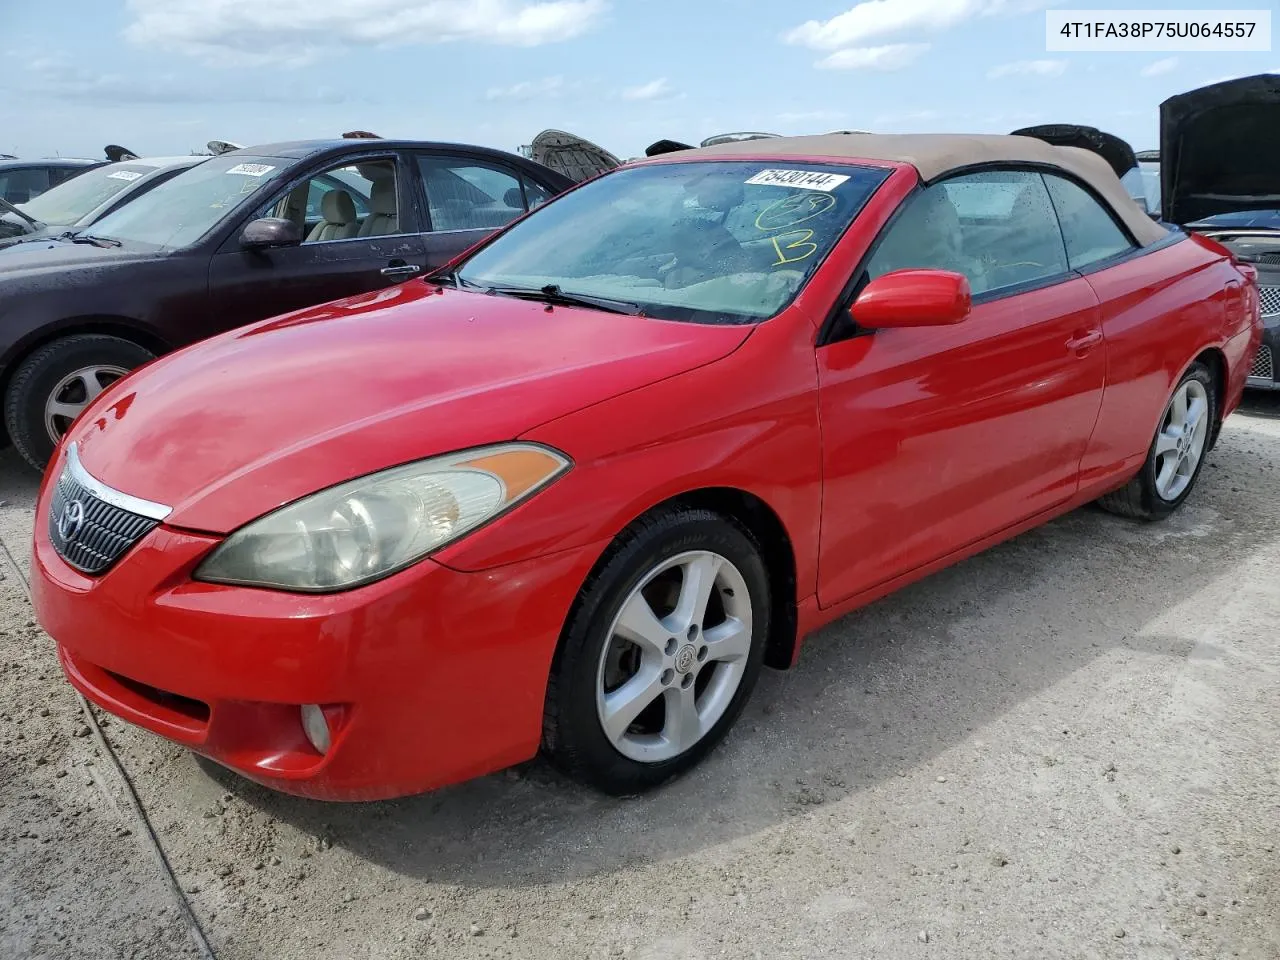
1220	176
1111	148
1116	151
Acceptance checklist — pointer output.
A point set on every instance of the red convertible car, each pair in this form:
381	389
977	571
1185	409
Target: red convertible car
574	491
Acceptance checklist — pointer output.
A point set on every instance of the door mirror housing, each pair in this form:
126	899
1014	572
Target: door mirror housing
913	298
270	232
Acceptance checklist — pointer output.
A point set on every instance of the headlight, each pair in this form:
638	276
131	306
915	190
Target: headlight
368	528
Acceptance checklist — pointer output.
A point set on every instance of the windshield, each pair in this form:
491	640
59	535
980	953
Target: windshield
722	242
180	211
68	202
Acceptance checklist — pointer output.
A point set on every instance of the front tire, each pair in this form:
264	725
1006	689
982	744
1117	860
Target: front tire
52	386
1177	452
660	652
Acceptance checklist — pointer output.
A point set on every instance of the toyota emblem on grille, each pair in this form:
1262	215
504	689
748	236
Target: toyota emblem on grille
71	520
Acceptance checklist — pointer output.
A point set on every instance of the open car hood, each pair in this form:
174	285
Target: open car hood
1106	145
571	155
1218	149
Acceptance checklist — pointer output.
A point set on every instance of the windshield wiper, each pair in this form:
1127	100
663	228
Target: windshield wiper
89	238
552	293
12	209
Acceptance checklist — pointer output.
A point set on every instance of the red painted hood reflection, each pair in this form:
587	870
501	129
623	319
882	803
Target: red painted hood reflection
230	428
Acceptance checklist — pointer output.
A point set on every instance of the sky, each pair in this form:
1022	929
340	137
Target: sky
166	76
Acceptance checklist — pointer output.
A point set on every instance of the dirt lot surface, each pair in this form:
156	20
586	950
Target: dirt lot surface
1063	748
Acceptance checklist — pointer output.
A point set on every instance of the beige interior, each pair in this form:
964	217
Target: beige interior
934	155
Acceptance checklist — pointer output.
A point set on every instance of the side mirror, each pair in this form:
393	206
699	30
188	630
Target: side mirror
913	298
270	232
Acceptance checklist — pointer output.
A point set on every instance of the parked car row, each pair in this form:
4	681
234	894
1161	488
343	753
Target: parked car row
165	252
134	256
572	491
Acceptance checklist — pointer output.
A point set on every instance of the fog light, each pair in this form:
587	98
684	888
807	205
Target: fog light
316	727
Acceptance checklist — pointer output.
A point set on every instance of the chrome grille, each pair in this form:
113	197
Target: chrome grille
92	526
1263	368
1269	297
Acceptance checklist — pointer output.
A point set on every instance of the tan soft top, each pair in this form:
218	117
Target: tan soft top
934	155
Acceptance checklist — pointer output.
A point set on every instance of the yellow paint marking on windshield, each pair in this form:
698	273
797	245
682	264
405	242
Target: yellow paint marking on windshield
802	238
791	210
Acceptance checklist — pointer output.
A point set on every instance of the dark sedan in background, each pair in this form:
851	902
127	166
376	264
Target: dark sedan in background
239	237
23	180
83	200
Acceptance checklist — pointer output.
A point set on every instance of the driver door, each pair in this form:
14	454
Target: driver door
360	231
935	438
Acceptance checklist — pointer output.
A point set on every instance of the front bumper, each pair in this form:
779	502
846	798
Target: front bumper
427	678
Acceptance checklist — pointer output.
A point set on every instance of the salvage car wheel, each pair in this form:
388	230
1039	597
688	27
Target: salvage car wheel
53	385
1177	452
660	652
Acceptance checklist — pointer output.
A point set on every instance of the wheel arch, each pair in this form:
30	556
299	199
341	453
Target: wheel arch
1216	361
126	328
762	521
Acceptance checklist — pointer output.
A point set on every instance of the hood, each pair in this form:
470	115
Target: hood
1218	149
737	138
41	254
571	155
1111	148
659	147
231	428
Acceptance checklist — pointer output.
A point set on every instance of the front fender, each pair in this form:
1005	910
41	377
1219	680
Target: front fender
748	422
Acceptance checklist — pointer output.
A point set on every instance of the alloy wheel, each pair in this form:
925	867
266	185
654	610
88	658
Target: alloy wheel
675	656
1181	441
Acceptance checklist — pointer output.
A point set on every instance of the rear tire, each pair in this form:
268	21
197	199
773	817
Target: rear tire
1177	452
49	385
638	692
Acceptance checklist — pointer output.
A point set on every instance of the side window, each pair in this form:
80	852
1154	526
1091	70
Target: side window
343	203
535	194
59	175
1090	231
998	228
466	194
23	184
323	184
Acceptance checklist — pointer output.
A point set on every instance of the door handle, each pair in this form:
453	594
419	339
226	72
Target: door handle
399	271
1084	342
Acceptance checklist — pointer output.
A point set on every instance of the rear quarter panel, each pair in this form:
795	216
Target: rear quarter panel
1159	311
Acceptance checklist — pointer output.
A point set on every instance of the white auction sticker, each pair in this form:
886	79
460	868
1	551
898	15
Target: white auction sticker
251	169
805	179
1157	31
127	175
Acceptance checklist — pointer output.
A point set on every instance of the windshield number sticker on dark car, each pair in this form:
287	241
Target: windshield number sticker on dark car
251	169
804	179
792	209
127	175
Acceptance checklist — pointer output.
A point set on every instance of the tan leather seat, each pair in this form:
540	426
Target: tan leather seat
340	221
382	219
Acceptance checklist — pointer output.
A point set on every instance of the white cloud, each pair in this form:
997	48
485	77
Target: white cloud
877	18
1028	68
546	88
893	56
653	90
58	78
292	32
1167	65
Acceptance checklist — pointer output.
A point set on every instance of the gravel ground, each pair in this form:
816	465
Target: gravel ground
1063	748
